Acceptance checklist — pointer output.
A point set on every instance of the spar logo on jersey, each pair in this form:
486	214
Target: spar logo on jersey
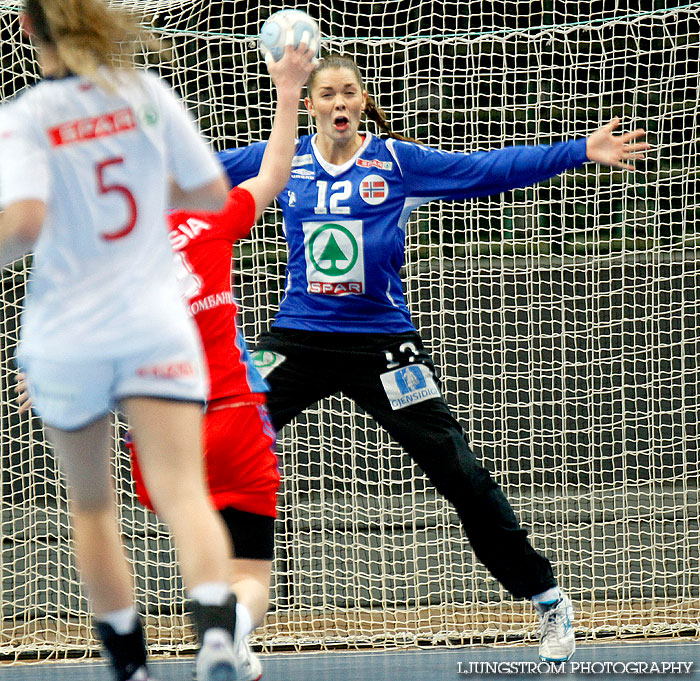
375	163
95	127
409	385
171	370
334	253
374	190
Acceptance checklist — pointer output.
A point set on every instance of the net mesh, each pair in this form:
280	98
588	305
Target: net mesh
563	319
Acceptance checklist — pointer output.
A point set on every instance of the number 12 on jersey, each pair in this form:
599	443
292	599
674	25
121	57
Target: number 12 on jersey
340	191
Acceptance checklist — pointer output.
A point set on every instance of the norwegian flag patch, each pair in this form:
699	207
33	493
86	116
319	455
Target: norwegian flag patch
374	190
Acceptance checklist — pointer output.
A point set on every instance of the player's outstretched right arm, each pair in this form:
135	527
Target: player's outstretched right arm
434	173
289	75
619	151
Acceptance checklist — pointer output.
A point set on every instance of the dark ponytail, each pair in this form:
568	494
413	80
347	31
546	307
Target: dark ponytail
374	113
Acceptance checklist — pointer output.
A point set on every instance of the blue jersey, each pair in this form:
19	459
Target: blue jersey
345	225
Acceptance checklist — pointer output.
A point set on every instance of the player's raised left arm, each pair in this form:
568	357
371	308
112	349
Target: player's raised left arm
289	75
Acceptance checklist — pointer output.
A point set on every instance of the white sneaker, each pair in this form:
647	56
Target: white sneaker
216	658
141	674
248	665
557	640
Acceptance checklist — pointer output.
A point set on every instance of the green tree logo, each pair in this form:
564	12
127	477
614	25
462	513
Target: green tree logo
333	260
264	358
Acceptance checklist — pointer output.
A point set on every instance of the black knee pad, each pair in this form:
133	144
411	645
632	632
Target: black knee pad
253	535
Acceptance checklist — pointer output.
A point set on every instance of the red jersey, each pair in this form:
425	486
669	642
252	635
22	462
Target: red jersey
239	439
202	243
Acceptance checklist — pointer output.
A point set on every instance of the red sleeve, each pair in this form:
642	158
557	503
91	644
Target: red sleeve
238	216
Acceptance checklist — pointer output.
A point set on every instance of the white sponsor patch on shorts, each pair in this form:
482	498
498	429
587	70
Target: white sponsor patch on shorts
409	385
266	361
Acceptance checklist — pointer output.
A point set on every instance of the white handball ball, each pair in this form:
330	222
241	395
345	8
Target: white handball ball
275	33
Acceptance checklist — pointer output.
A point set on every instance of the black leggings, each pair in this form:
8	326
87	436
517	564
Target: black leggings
318	364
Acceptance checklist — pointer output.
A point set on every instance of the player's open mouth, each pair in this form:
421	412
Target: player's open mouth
341	123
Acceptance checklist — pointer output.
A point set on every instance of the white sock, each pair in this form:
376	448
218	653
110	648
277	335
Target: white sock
210	593
244	623
215	636
122	621
550	596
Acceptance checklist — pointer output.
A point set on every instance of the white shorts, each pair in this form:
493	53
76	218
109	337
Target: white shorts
69	394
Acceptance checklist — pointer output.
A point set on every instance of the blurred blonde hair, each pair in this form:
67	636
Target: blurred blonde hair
87	35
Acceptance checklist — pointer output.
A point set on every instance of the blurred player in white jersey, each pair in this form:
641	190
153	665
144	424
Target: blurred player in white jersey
239	439
87	159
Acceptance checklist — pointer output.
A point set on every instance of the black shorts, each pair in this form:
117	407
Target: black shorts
252	535
392	377
381	372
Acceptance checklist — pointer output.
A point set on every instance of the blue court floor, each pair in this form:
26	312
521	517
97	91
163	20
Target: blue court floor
623	661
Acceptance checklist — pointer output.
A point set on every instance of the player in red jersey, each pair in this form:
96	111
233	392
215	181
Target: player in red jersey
239	438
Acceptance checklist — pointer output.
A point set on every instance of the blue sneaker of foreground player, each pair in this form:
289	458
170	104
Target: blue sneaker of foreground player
557	640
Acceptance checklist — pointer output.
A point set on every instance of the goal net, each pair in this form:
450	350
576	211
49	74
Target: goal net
563	319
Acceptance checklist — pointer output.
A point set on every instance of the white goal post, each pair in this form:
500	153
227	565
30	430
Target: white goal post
564	321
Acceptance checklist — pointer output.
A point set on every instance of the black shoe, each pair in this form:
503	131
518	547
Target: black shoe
214	617
126	652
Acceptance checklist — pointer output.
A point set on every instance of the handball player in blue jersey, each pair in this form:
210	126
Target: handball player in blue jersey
343	324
